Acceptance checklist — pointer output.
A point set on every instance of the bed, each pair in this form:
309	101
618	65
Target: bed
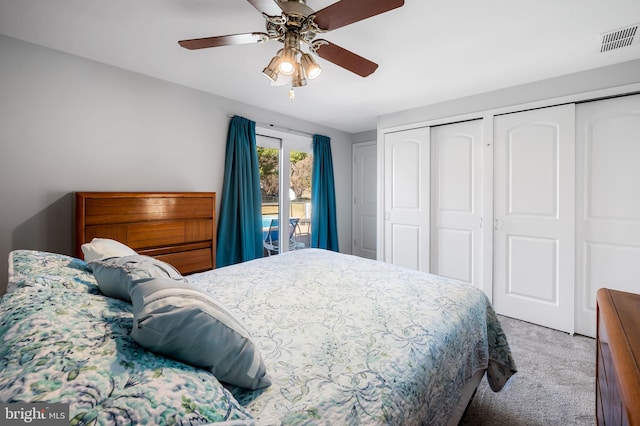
339	340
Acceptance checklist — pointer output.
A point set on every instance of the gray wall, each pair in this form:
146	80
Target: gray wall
69	124
369	136
586	81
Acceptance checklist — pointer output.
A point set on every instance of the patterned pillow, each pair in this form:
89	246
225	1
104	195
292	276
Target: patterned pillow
31	268
75	348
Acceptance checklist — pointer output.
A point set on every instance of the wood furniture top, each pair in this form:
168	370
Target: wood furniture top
618	358
176	227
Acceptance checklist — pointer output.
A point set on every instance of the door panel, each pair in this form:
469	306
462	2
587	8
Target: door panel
405	240
608	202
534	216
406	198
533	170
455	254
532	261
456	201
364	200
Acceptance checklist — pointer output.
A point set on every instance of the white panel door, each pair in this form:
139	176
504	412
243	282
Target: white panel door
364	223
534	199
608	202
456	201
406	198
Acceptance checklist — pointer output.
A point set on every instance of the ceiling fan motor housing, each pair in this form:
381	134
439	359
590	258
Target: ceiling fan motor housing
295	8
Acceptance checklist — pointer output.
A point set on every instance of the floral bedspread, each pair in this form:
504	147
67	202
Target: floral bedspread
62	341
348	340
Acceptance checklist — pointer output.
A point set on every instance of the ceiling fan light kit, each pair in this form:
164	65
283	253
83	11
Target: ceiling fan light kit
271	70
310	66
293	23
288	61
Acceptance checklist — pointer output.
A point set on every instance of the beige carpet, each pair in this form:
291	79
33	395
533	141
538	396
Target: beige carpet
555	383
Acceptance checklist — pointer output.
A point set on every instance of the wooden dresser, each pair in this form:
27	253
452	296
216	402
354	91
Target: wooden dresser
618	358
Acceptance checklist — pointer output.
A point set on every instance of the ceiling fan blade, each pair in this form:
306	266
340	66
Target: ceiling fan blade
227	40
346	59
347	12
269	7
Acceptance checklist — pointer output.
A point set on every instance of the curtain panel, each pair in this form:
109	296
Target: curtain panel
240	224
324	228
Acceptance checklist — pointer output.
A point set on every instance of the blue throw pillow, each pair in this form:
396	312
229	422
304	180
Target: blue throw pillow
181	322
116	275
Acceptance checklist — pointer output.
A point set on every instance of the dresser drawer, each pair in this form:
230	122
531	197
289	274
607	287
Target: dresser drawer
618	358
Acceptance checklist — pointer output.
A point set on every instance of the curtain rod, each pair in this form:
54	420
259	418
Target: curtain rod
274	126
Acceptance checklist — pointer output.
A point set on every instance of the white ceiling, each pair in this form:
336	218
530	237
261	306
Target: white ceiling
428	50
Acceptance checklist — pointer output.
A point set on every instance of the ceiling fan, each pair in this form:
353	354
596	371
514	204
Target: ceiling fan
293	23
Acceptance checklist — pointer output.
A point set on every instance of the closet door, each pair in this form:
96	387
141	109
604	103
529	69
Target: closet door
534	216
608	202
406	198
456	201
364	186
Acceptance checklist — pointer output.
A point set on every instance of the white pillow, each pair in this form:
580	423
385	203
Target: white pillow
101	248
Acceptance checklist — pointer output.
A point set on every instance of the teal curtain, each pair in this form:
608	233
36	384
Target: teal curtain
240	221
324	227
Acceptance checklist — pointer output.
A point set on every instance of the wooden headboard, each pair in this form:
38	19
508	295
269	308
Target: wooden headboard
175	227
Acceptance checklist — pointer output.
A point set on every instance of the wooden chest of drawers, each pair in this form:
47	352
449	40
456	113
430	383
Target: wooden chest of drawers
618	358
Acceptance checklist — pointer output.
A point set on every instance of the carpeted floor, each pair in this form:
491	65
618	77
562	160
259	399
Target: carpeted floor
555	383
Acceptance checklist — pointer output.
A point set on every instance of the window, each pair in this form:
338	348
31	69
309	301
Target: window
285	161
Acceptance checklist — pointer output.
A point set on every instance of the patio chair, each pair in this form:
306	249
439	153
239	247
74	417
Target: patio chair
271	241
294	232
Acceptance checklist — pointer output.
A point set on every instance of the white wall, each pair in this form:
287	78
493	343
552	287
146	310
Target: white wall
612	76
69	124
